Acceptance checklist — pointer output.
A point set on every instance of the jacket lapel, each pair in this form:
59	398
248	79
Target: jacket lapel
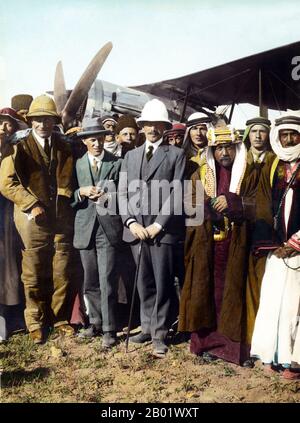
85	169
138	161
35	151
106	166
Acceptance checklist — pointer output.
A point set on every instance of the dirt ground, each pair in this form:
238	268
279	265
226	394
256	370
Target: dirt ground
72	370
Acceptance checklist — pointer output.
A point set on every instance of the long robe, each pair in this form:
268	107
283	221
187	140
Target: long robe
213	298
276	337
256	264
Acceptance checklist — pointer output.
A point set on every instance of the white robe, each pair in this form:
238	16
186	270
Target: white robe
276	336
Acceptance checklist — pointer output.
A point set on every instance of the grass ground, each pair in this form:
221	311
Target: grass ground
70	370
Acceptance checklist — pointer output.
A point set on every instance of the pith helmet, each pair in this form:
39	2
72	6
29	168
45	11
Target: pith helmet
154	111
43	105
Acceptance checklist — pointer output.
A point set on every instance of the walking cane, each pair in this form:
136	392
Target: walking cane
133	293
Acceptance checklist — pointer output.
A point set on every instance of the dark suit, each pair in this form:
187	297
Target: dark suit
156	278
97	236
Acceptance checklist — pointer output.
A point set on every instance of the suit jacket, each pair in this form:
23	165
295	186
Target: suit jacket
86	210
167	164
23	174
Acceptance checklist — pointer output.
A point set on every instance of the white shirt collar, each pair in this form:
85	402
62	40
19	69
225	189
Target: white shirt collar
155	145
98	158
40	140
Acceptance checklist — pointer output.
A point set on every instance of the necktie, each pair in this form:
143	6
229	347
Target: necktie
95	165
149	153
47	147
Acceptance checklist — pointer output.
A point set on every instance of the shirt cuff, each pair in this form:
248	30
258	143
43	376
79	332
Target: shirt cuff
158	225
129	222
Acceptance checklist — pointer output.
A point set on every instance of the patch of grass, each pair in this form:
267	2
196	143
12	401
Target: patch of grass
17	378
20	352
188	384
229	371
144	361
86	373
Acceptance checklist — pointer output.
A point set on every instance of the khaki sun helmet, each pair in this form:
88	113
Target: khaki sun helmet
43	105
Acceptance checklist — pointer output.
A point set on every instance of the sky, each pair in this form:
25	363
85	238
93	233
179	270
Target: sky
152	40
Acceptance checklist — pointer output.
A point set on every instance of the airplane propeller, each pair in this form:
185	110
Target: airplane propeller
60	92
80	92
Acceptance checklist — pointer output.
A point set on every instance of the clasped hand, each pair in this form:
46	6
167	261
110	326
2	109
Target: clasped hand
139	232
91	192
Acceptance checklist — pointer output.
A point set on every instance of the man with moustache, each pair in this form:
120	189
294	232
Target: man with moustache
36	175
276	336
98	235
110	142
149	217
212	305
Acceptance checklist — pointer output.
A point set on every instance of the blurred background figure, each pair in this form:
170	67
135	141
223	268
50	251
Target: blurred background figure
11	294
21	103
195	141
175	135
126	133
110	143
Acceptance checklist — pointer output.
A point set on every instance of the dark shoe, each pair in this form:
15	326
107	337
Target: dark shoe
37	336
159	347
270	369
141	338
65	330
109	340
89	332
249	364
208	357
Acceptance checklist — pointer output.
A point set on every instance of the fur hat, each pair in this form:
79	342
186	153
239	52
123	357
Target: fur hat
126	121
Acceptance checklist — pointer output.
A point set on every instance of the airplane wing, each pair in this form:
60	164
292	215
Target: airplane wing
239	82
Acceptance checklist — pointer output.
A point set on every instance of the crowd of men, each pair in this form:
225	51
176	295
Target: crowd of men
83	215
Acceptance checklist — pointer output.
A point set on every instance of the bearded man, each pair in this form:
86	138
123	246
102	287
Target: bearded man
276	340
212	303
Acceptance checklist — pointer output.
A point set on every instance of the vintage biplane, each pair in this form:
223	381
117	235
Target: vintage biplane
269	80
